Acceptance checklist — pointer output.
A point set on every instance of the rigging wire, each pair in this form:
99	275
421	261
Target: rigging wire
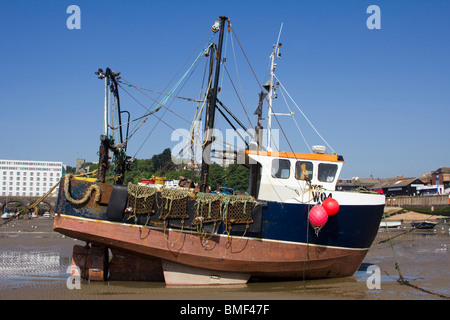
243	107
295	121
237	70
154	91
303	114
163	103
191	132
146	115
165	111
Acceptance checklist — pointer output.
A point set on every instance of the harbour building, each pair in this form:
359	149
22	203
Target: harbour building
29	178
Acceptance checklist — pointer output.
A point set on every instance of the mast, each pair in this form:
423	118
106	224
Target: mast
106	142
105	108
211	109
270	88
103	152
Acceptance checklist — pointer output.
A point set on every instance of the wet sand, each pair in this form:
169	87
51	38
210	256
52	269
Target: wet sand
34	261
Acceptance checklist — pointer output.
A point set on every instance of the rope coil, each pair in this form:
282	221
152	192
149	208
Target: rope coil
86	196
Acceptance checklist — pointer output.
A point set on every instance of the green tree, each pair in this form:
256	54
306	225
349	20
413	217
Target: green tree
163	162
237	177
234	176
70	170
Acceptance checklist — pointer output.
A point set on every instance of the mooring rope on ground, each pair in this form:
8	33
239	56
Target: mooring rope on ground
401	280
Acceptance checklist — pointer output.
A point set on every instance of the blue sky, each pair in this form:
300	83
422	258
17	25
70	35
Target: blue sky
381	98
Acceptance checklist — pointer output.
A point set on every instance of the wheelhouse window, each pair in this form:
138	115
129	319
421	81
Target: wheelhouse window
327	172
281	168
303	170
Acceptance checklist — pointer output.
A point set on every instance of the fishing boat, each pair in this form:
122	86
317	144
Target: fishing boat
291	224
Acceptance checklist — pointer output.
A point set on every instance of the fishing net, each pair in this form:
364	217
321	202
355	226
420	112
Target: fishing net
208	208
173	204
238	209
140	198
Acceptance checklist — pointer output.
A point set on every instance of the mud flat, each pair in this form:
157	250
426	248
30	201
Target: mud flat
34	262
410	215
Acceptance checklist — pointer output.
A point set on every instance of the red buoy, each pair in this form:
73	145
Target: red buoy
331	206
318	216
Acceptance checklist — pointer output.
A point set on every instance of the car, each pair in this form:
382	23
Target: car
7	215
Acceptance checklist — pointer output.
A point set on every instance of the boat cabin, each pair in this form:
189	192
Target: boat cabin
279	176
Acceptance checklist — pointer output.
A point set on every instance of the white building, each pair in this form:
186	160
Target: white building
29	178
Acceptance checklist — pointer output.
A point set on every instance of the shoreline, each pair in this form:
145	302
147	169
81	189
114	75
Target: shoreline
410	216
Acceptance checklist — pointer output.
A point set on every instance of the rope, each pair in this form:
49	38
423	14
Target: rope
86	196
307	258
196	117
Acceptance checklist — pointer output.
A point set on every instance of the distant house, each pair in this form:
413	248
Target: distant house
346	185
398	186
356	183
441	177
438	182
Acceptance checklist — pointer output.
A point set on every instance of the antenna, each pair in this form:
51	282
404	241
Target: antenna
279	34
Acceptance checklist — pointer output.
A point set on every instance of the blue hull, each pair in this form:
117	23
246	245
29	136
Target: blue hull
352	227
